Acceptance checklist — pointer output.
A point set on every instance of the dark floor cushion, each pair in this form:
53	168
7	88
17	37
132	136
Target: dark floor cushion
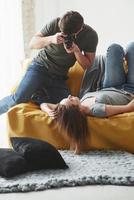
11	163
38	154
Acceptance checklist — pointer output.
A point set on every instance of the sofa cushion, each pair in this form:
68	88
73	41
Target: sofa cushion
27	120
75	78
38	154
11	163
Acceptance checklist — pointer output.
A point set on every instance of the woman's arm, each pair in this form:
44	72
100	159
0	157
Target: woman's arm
118	109
105	110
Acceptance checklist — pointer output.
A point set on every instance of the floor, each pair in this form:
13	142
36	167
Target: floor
96	192
76	193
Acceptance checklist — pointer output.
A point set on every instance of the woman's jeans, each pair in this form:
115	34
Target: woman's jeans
36	78
115	75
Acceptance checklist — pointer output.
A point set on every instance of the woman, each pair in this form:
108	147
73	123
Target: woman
115	97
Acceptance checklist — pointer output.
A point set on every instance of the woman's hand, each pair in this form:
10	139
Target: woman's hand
49	109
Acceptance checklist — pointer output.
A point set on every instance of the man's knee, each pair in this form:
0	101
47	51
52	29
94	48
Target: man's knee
20	98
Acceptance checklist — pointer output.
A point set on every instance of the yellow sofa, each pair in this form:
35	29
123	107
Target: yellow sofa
115	132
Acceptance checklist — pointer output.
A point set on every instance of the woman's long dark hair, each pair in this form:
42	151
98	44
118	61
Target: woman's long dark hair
73	123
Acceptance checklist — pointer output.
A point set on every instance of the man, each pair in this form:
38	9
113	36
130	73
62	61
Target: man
62	42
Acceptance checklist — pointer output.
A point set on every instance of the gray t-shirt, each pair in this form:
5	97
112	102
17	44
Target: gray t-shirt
55	57
109	96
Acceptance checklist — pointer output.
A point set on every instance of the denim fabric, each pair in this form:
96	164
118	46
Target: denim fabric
115	75
117	86
37	77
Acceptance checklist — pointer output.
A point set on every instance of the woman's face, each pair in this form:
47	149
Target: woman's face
70	100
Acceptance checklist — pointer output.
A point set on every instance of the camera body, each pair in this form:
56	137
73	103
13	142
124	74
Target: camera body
68	41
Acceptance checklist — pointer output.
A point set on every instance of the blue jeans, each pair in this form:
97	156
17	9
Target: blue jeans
115	75
36	78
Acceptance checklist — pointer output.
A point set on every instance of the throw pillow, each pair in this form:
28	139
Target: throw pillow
38	154
11	163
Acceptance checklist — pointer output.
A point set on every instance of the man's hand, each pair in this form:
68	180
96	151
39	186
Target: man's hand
84	59
73	49
39	41
57	38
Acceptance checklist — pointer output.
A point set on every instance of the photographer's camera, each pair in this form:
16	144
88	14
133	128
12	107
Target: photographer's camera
68	41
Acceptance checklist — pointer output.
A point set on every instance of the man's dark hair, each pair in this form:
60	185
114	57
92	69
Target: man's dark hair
71	22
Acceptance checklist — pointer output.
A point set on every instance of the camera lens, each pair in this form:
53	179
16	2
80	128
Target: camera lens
68	40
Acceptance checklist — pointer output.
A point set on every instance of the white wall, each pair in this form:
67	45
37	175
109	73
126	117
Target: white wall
11	53
112	19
